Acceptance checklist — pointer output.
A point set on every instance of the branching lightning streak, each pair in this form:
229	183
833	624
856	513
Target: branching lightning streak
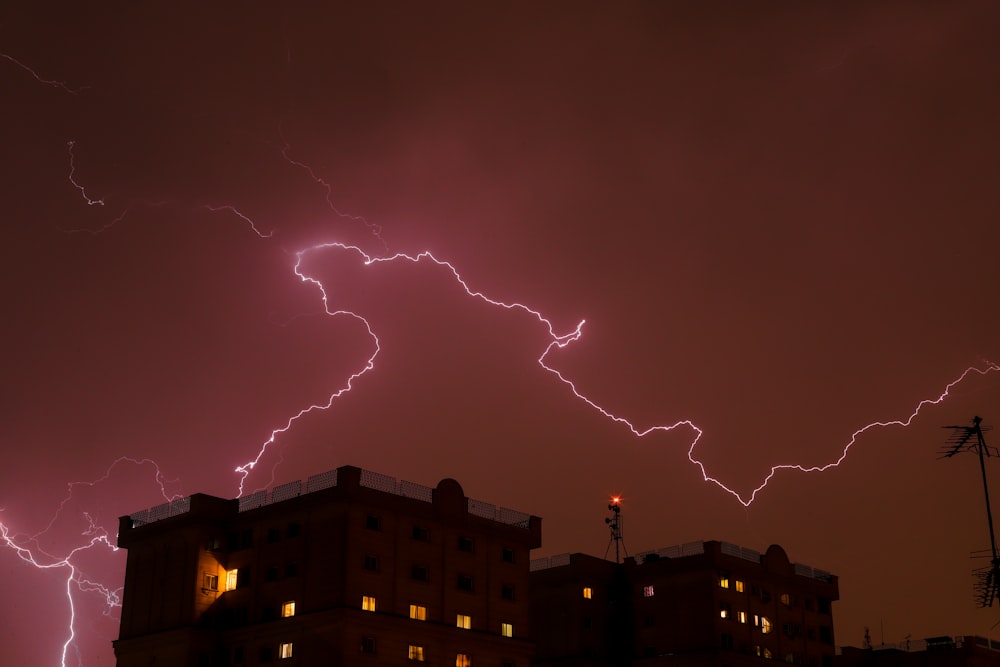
48	82
72	172
236	212
561	341
28	549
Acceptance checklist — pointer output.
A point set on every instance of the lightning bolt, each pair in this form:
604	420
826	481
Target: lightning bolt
40	79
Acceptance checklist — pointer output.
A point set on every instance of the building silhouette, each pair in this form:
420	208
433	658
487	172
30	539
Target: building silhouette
704	603
349	568
352	567
964	651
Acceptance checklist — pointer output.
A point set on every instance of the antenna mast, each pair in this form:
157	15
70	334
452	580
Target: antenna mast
615	525
968	438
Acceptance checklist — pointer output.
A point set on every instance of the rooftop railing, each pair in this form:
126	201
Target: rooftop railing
326	480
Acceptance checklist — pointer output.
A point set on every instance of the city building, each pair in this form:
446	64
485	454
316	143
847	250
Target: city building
704	603
348	568
967	651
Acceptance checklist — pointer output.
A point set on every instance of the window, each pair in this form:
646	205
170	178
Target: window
288	609
271	573
464	582
648	591
367	644
507	592
765	595
466	544
371	563
421	534
507	629
237	655
463	660
418	612
273	535
741	616
738	585
246	538
763	622
232	578
785	599
725	610
588	592
826	634
368	602
463	621
507	663
507	555
264	654
373	522
823	605
723	580
763	652
420	573
649	621
416	653
294	529
291	569
211	582
285	650
727	641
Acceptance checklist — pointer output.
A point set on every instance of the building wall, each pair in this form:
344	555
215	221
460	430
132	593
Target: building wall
327	552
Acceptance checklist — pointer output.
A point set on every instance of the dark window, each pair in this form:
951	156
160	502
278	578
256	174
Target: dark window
371	563
291	569
273	535
246	538
809	604
823	605
465	544
649	621
507	663
294	529
464	582
811	632
243	578
232	541
507	555
765	595
373	522
507	592
827	661
420	573
237	655
265	654
269	613
826	634
271	573
422	534
727	641
367	644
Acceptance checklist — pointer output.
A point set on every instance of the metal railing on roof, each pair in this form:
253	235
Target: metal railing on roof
326	480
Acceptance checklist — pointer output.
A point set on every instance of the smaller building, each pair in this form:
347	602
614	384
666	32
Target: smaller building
966	651
704	603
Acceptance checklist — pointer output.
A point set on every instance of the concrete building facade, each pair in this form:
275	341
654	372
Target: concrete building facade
348	568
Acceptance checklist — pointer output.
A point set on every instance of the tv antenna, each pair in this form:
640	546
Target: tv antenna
615	525
970	438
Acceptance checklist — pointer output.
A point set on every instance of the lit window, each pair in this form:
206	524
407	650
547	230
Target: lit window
785	599
418	612
368	602
285	650
725	610
647	591
507	629
763	652
739	586
588	592
741	616
764	624
723	581
231	578
463	621
463	660
416	653
212	582
288	609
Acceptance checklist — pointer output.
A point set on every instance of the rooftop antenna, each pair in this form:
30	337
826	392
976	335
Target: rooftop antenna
615	524
970	438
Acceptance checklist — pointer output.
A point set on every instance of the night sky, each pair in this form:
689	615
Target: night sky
778	219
